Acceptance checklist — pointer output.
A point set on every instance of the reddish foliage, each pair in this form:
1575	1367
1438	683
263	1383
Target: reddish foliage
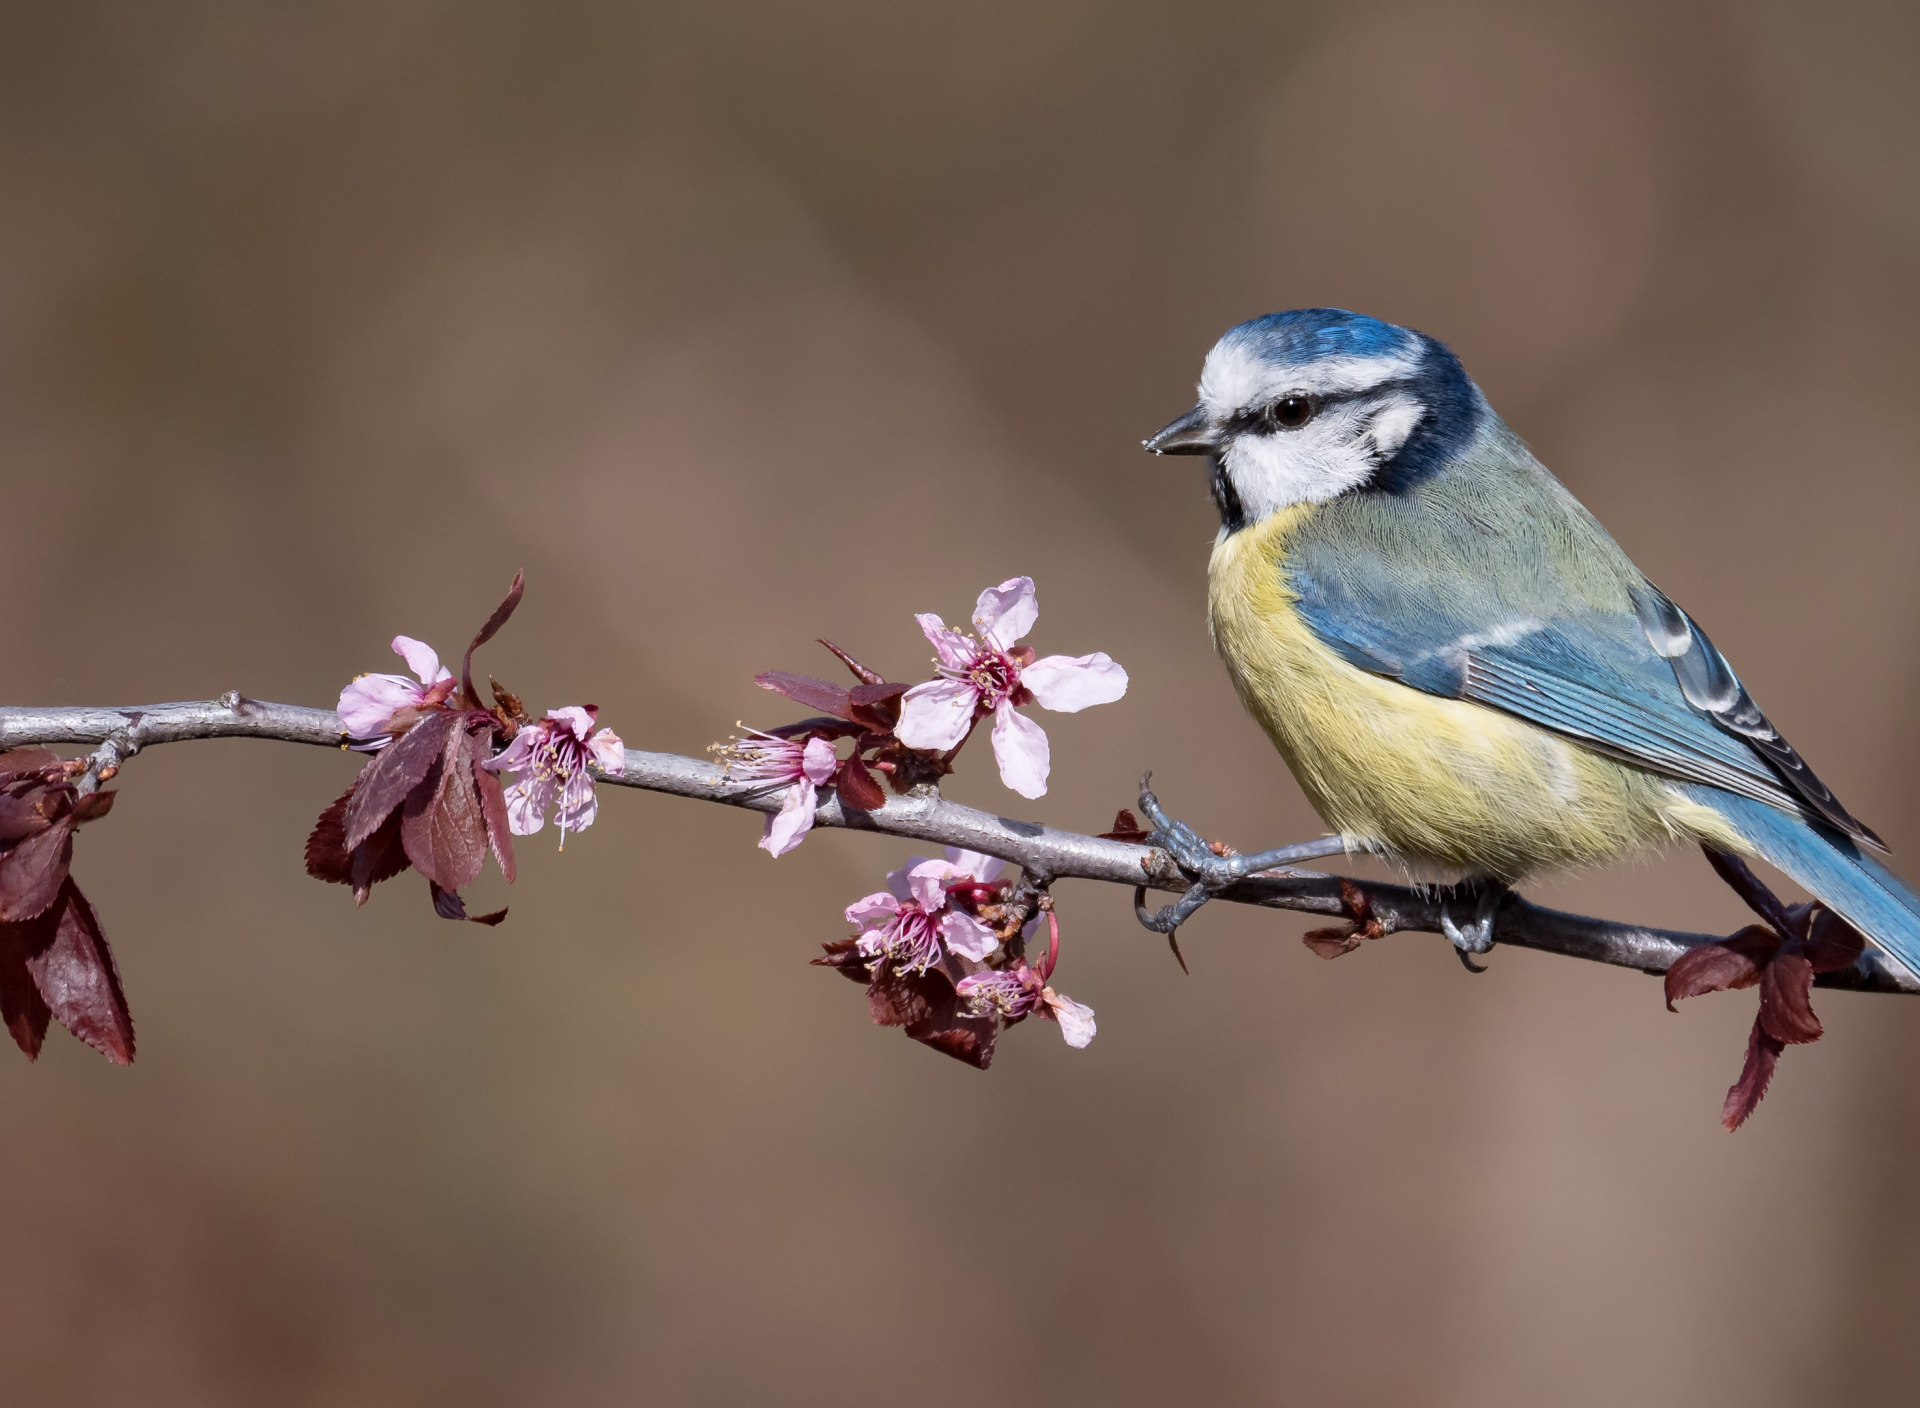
922	1003
1362	924
857	788
448	905
1126	827
1781	957
424	801
55	963
865	713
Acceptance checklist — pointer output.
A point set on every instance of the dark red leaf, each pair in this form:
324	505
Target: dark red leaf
945	1023
857	788
93	806
24	813
805	689
493	812
327	843
449	905
380	857
441	826
16	761
394	773
76	976
1733	963
845	958
1126	827
1786	1009
875	707
860	672
32	872
899	999
961	1035
26	1012
1763	1054
1832	943
494	623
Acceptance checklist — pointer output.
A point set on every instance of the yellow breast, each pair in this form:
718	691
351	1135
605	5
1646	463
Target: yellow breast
1434	783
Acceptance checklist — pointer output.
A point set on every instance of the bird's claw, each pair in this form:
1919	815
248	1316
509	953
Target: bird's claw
1209	871
1476	935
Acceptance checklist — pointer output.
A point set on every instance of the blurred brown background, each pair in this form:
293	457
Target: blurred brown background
739	323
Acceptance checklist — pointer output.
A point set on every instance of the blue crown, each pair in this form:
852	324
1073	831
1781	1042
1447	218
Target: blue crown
1310	334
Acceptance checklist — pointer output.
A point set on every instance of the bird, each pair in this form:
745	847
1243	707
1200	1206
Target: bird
1464	672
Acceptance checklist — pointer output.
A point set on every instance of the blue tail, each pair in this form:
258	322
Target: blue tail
1829	866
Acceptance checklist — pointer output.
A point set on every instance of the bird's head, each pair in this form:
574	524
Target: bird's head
1305	406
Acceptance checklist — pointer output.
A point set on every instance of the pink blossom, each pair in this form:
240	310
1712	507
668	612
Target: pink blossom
990	674
803	768
368	704
549	761
913	922
1013	993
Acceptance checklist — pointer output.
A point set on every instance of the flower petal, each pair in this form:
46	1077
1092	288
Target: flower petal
789	826
1075	1018
937	714
818	761
513	757
1067	684
928	883
897	885
873	909
609	751
527	802
967	936
578	805
975	866
368	702
955	651
1020	746
577	719
421	659
1006	612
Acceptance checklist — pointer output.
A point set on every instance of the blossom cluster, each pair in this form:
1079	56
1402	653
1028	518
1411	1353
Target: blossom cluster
430	796
941	950
910	735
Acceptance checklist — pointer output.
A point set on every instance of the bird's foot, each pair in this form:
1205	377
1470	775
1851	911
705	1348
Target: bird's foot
1211	869
1480	898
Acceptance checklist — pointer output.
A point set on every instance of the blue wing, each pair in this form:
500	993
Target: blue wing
1641	683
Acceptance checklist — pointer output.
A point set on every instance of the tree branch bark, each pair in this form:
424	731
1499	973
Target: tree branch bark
1045	854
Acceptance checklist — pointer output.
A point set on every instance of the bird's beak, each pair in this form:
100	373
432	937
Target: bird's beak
1190	435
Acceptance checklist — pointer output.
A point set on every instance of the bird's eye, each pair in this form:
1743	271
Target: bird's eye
1292	412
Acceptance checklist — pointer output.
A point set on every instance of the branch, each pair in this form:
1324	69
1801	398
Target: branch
1046	855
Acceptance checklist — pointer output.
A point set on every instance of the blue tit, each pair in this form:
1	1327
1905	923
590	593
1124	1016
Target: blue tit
1462	669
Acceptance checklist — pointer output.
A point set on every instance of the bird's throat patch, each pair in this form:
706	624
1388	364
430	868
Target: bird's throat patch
1233	513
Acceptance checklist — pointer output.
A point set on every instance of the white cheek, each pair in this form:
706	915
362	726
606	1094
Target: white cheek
1392	423
1308	466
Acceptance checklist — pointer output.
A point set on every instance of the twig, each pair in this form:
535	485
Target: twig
1045	854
